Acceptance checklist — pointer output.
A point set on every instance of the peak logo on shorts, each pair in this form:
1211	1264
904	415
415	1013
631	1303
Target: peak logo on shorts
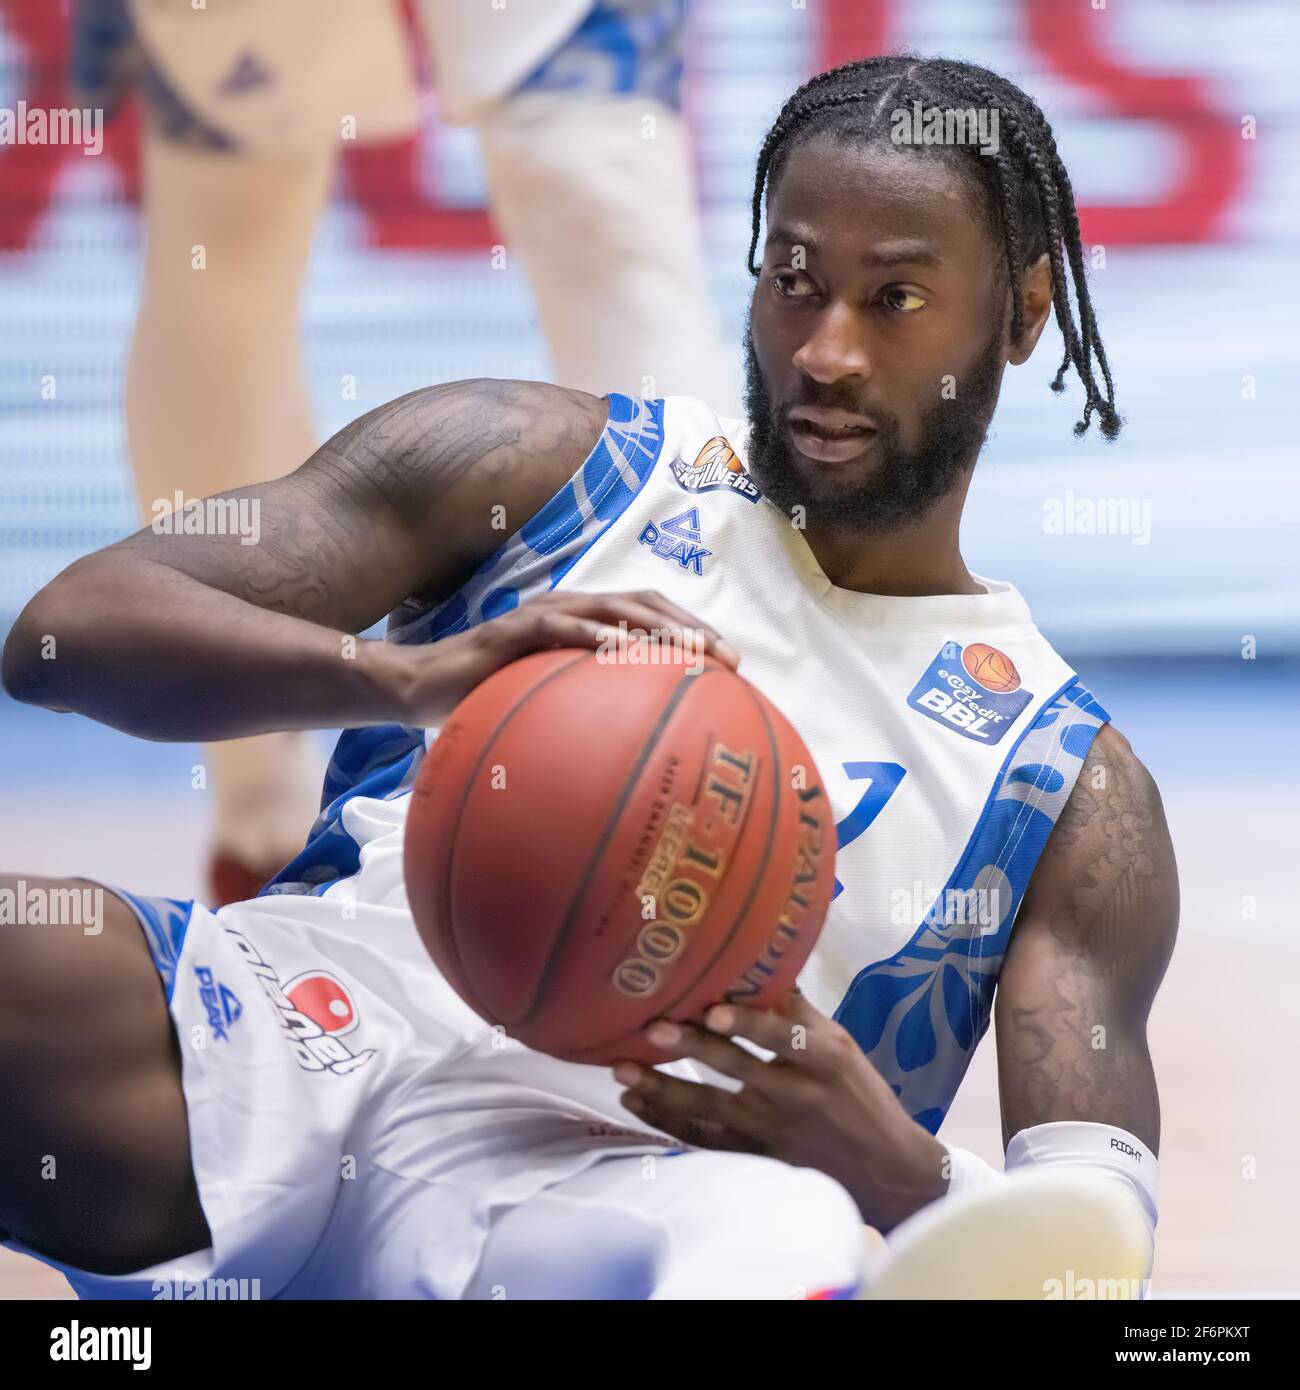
222	1006
677	539
313	1009
716	466
974	690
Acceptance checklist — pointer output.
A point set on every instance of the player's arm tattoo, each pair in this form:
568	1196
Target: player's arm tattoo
396	501
1087	954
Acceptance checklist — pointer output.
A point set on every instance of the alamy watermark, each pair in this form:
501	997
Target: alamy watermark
60	125
73	1342
946	125
982	907
1084	1289
1098	516
30	905
657	646
208	516
182	1290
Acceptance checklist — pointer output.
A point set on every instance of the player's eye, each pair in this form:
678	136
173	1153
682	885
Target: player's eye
902	301
792	284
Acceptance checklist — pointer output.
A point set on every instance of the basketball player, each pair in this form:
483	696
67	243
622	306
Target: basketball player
248	104
303	1099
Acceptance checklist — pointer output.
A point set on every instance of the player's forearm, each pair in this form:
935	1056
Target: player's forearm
152	652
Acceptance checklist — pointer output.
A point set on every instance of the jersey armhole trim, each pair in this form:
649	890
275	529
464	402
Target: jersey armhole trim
538	556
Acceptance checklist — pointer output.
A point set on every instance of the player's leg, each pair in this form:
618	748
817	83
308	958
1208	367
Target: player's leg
589	170
594	191
691	1225
94	1149
217	399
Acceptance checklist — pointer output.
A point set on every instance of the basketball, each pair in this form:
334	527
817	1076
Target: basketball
993	669
592	845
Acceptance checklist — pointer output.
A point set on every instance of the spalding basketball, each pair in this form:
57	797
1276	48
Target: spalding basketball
993	669
592	845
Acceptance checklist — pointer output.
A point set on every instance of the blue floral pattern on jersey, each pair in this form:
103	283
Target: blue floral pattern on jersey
919	1015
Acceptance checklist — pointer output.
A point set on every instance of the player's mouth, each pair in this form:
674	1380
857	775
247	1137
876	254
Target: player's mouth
829	436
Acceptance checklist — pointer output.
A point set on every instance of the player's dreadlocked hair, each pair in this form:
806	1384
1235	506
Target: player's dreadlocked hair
1025	191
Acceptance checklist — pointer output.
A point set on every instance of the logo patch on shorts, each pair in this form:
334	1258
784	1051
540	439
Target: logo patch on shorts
677	539
221	1003
716	466
313	1010
975	690
324	999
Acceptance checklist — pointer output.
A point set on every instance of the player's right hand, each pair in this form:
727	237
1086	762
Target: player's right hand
429	681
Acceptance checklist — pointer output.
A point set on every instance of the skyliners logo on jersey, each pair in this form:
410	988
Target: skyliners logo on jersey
677	539
716	466
313	1010
222	1006
974	690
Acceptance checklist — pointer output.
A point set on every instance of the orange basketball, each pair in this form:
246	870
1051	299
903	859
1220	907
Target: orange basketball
993	669
592	845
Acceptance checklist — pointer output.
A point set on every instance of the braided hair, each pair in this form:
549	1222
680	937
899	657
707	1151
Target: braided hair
1024	190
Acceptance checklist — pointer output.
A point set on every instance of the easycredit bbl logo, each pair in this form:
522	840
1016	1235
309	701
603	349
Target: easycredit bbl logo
974	690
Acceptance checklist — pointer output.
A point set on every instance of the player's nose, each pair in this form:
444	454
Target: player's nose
836	348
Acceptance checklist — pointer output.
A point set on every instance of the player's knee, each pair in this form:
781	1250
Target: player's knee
800	1219
808	1198
606	1252
834	1229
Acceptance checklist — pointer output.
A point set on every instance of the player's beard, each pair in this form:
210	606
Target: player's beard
903	484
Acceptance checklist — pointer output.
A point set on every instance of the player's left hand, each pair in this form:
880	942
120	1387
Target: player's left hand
818	1103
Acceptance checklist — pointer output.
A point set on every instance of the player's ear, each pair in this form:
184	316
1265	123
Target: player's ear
1036	292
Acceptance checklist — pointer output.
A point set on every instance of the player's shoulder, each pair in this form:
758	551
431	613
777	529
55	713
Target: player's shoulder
1132	779
449	458
1114	785
525	412
544	413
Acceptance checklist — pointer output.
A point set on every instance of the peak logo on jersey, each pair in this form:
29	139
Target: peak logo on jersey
222	1006
992	669
716	466
677	539
324	999
315	1046
982	706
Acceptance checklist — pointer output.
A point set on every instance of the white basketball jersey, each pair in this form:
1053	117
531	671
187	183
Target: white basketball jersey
947	732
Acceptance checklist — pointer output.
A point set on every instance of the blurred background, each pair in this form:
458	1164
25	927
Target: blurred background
1179	121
